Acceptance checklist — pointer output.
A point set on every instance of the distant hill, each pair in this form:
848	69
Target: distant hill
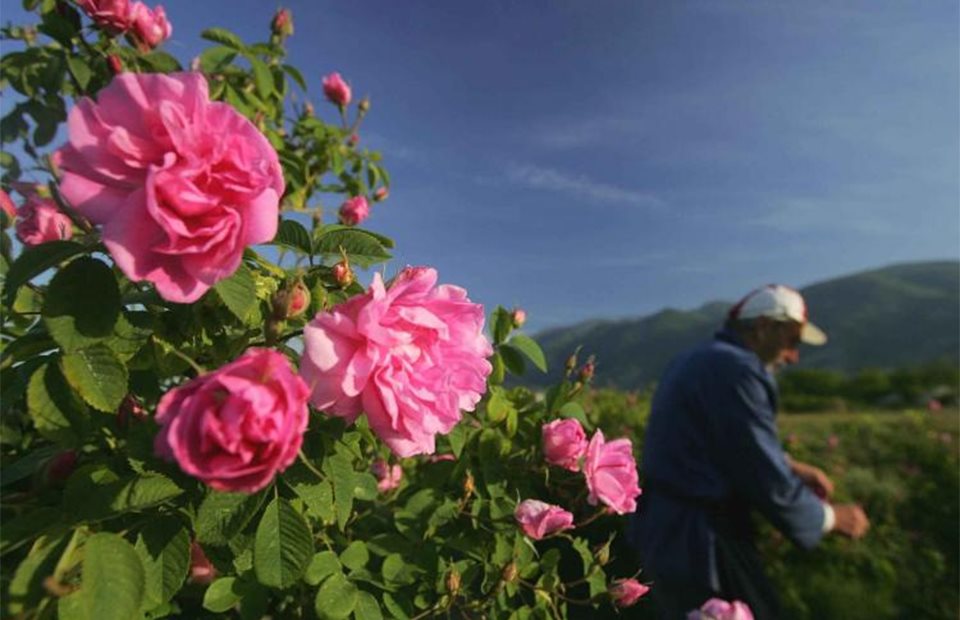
886	318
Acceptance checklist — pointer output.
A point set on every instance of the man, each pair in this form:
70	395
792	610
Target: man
712	455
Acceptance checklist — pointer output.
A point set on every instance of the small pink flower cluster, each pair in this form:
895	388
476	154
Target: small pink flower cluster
147	27
609	467
719	609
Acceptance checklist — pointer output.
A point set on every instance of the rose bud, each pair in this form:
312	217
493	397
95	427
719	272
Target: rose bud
564	443
354	211
130	409
388	476
587	372
6	207
719	609
336	90
509	574
539	519
291	301
571	363
282	24
453	581
115	64
354	139
40	220
308	110
364	105
61	466
381	194
343	274
114	16
626	592
149	27
202	571
519	317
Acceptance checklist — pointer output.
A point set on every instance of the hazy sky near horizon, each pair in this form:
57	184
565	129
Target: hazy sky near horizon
607	159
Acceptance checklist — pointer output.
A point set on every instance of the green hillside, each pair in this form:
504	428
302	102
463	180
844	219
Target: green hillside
892	317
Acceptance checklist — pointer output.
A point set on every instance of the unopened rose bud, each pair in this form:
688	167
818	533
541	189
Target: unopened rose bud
469	485
336	90
519	317
509	574
130	410
587	372
308	110
116	65
453	582
571	363
381	194
364	105
602	554
61	466
202	570
282	24
8	209
272	330
354	139
195	64
343	274
291	301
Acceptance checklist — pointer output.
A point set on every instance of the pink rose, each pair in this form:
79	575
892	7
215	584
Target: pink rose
354	210
718	609
149	27
6	206
202	570
626	592
611	473
342	274
519	317
282	24
180	184
388	476
410	354
336	90
113	15
538	519
237	427
564	443
40	220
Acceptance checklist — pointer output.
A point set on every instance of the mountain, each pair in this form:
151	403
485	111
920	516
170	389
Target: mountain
896	316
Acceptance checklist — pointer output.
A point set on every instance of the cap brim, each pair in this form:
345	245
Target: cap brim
813	335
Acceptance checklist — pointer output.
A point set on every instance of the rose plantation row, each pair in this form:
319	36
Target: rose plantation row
192	425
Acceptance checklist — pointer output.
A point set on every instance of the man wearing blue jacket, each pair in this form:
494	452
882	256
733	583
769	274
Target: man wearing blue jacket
712	455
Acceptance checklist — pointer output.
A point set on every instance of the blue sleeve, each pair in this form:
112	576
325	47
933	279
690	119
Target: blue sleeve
751	458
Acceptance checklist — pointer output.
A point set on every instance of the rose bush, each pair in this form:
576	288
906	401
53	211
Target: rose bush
204	413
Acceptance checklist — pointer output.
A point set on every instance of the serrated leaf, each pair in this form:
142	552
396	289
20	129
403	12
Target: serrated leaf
164	550
262	78
82	304
216	59
340	470
363	248
98	375
223	36
321	566
34	261
239	292
26	587
282	547
529	347
355	556
222	595
56	411
396	570
317	496
112	584
367	607
222	516
336	598
293	235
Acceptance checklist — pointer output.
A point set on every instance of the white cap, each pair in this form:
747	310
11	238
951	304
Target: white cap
780	303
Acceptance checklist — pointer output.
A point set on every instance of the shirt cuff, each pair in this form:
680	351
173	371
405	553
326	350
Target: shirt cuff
829	518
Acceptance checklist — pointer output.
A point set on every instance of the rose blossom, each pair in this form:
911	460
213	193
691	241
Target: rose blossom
611	473
113	15
238	426
388	476
354	210
564	443
39	220
719	609
336	90
149	26
626	592
410	354
180	184
538	519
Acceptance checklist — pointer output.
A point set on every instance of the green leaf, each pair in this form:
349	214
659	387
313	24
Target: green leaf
98	375
26	588
294	73
367	607
162	62
499	406
318	496
496	375
340	469
363	248
529	347
27	465
222	595
223	36
501	323
56	411
355	556
95	492
321	566
82	304
575	410
34	261
458	438
293	235
113	578
512	359
164	550
262	78
396	570
222	516
216	59
282	547
239	292
336	598
80	70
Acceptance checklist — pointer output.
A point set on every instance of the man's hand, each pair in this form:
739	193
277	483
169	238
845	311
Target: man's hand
850	520
813	477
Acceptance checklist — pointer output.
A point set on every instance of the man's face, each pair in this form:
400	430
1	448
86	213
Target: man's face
778	342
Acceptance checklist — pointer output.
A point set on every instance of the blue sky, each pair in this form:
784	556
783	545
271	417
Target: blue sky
609	159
